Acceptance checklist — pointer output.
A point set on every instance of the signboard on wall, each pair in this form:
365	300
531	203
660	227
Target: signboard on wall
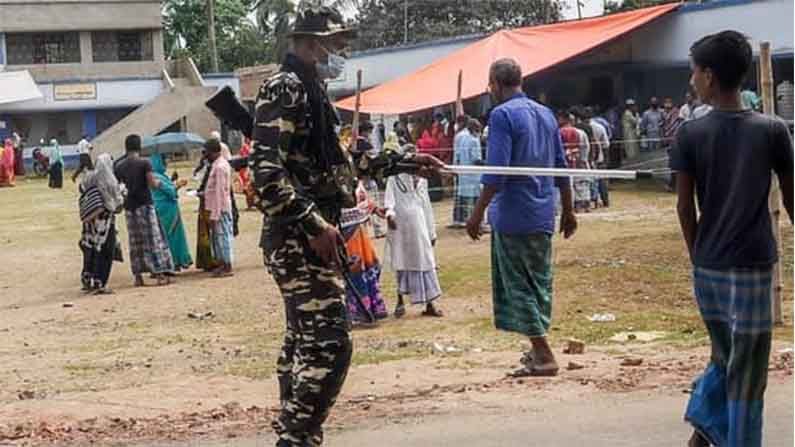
71	92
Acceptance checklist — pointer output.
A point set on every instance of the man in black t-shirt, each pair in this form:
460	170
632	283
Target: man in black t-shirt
724	161
149	252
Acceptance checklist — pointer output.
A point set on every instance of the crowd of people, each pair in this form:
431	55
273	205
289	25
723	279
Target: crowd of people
140	187
320	200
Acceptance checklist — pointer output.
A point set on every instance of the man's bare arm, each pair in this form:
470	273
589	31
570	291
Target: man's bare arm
686	209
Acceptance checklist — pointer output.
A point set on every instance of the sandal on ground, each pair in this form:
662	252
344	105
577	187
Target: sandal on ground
535	371
432	312
400	311
139	282
222	274
527	359
361	324
103	291
163	280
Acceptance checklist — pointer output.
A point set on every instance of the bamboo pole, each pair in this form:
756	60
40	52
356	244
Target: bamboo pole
459	105
358	104
774	200
522	171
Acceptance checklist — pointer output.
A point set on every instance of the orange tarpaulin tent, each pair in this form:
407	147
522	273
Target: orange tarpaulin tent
535	48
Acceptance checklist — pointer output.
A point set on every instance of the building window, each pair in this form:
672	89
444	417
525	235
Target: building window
115	46
42	48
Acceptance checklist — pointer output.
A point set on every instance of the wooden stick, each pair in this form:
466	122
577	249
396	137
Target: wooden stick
522	171
774	199
459	105
358	104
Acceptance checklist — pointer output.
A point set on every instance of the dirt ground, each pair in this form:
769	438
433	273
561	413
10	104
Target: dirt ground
134	366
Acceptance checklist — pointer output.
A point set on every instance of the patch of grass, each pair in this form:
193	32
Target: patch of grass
84	369
104	344
783	332
377	356
681	326
252	368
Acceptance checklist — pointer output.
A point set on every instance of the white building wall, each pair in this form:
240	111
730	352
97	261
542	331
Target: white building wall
668	40
110	94
223	81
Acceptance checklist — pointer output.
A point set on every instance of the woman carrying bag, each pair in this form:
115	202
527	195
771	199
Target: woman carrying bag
100	199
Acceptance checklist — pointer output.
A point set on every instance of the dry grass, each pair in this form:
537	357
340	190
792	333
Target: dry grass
628	260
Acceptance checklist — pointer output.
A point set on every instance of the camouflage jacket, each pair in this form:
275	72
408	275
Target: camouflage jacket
301	173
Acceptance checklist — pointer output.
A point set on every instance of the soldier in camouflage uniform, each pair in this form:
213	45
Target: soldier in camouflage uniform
303	177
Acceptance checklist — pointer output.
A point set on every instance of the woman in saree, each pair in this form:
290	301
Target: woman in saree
363	294
166	199
101	198
244	176
7	164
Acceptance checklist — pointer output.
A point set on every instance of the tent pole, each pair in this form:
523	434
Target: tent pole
358	104
459	105
774	200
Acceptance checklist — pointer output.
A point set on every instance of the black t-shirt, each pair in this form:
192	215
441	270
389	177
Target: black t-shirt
731	156
133	172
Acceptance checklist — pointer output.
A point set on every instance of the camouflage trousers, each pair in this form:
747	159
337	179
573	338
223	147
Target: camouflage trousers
317	346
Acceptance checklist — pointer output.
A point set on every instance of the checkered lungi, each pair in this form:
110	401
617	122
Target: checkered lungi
727	401
149	252
377	196
463	208
521	276
223	237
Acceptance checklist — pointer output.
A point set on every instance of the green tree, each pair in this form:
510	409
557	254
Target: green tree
239	41
383	22
276	17
614	6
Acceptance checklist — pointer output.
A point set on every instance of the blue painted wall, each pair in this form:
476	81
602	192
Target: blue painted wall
90	123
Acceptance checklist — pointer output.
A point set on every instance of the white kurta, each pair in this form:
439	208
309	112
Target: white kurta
408	248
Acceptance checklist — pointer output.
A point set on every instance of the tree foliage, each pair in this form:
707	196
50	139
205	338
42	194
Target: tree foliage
239	40
250	32
276	17
382	22
614	6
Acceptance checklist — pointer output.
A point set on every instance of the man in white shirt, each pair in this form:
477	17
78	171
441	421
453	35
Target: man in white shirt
84	149
687	109
598	157
701	111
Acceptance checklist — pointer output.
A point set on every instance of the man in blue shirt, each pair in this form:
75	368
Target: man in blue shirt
522	215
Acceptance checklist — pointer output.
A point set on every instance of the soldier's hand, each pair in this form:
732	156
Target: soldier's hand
390	220
428	164
326	246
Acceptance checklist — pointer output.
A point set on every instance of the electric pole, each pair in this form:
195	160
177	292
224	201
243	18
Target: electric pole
405	21
211	35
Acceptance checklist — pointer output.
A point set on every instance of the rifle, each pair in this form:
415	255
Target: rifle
233	114
226	107
230	111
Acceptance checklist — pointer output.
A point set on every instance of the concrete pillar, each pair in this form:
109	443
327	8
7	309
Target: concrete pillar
157	45
2	51
86	55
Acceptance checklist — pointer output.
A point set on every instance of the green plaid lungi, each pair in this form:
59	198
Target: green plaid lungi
521	267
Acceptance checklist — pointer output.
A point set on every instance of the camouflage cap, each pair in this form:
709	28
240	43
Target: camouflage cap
321	21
